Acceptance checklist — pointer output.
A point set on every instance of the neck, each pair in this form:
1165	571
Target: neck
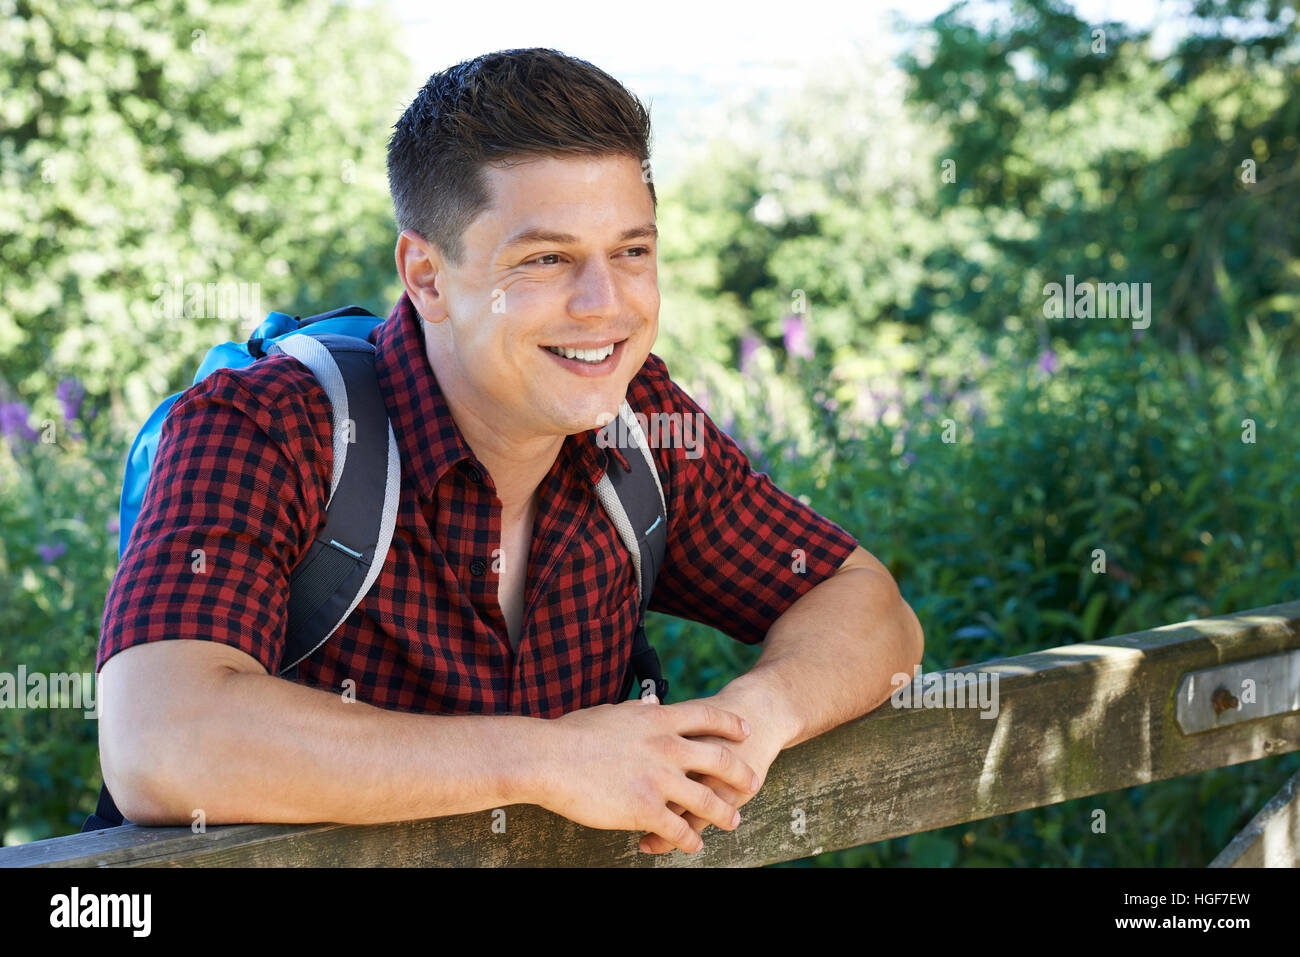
516	461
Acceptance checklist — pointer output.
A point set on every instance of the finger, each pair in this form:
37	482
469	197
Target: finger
699	800
675	832
654	844
693	718
717	760
723	790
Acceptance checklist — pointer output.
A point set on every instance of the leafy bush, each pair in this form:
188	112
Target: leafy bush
1123	446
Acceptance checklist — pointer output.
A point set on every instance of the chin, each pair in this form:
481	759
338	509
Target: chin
588	416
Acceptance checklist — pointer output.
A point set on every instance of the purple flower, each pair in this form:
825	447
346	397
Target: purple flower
49	553
908	458
13	422
748	346
113	525
1047	363
70	395
796	337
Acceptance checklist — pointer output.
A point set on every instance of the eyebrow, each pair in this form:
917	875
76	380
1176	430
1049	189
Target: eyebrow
539	235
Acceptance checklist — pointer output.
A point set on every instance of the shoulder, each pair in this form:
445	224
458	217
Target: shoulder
278	392
275	405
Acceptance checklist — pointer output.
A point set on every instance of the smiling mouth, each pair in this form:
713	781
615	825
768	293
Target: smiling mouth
589	356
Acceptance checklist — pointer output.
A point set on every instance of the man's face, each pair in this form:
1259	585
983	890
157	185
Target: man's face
563	259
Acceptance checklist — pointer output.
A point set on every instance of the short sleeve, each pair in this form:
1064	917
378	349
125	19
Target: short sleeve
740	550
235	494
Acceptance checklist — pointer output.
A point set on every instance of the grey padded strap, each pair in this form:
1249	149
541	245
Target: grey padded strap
613	505
634	428
614	508
315	353
387	522
317	358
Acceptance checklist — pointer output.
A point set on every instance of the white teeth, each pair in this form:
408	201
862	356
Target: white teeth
584	355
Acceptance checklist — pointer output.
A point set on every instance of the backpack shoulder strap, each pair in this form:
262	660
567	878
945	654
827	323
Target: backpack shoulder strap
634	501
345	559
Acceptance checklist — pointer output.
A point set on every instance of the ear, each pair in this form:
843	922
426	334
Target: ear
421	267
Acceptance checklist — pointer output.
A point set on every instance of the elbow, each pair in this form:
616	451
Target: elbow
911	644
140	800
142	774
917	636
913	641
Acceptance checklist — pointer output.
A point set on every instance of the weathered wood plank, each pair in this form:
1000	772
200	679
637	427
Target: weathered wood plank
1272	838
1072	721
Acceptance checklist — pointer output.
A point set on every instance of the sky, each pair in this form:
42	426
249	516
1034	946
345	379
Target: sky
681	36
687	58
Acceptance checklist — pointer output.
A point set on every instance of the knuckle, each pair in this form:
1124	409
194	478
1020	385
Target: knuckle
646	799
726	758
674	747
668	745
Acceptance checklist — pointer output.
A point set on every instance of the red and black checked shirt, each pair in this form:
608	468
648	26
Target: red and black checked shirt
243	472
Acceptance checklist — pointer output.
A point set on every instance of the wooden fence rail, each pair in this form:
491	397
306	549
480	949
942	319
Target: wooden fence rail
1054	725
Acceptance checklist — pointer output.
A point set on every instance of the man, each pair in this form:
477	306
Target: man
484	666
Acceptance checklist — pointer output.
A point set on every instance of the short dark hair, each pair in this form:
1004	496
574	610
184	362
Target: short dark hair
509	104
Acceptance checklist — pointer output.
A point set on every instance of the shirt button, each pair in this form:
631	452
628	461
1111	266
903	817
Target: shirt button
475	475
477	566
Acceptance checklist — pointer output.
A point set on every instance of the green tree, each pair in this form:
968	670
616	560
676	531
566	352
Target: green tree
1086	153
143	143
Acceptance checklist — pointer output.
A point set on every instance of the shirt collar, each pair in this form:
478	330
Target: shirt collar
428	439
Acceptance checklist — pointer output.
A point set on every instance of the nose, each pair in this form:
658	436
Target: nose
596	294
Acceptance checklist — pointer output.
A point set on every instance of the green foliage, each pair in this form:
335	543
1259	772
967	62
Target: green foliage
205	142
143	144
1124	166
925	312
1125	447
58	549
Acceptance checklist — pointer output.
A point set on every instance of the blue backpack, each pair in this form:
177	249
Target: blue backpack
347	555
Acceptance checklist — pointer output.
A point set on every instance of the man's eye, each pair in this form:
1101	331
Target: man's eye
643	250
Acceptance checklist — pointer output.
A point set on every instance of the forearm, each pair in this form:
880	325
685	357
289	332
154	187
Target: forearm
831	657
258	748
